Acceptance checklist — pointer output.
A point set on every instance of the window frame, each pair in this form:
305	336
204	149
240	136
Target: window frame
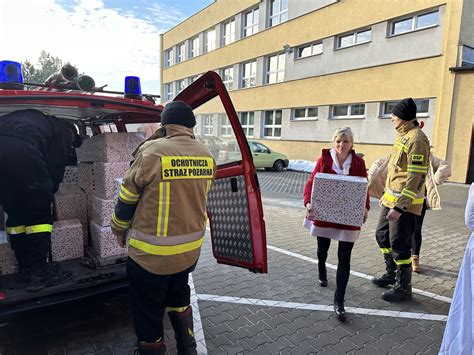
225	130
306	117
181	55
278	70
277	15
194	52
254	27
349	111
414	23
272	126
169	57
208	127
243	77
206	40
384	115
181	85
354	35
229	84
228	38
247	126
308	45
169	91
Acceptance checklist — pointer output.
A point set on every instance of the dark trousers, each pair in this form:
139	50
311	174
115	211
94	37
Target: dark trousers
396	236
26	194
416	242
344	251
150	294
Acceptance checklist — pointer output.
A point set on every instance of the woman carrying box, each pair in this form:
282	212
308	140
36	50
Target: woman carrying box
341	160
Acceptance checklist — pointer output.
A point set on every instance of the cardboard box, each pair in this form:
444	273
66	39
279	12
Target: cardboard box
104	178
67	240
104	241
102	210
339	198
109	147
70	174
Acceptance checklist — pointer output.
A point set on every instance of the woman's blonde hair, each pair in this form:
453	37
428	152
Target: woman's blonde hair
343	132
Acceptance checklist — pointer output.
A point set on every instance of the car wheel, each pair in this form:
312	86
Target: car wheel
278	165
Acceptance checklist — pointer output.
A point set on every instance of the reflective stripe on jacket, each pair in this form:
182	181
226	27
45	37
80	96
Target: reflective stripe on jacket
162	201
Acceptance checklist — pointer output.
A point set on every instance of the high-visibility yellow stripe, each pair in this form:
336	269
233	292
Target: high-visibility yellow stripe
16	230
39	228
119	223
408	192
177	309
126	199
391	198
160	201
408	195
418	201
403	262
417	166
167	209
386	250
165	249
415	169
131	194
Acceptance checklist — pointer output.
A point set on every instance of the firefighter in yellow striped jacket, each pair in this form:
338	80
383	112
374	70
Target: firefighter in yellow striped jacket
402	201
162	209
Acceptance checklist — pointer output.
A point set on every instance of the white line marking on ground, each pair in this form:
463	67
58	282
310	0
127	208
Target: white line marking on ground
319	307
358	274
198	329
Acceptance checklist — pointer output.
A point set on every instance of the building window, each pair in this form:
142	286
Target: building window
209	40
413	23
278	12
169	92
309	50
249	74
194	78
169	57
181	55
422	106
208	125
275	68
247	122
228	33
348	111
194	47
467	58
251	19
351	39
225	129
181	85
304	113
272	123
228	78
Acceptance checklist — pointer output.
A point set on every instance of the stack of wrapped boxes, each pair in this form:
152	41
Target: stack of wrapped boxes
102	159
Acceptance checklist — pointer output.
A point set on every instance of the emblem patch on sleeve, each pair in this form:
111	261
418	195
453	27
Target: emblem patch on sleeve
417	159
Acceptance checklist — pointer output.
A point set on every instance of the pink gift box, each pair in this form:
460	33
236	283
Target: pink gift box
104	241
8	264
339	198
67	240
109	147
104	178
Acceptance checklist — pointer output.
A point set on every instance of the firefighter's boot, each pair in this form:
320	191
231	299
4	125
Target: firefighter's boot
156	348
389	277
19	243
402	289
48	275
182	323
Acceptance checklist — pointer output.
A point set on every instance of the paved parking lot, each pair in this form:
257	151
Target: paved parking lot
284	311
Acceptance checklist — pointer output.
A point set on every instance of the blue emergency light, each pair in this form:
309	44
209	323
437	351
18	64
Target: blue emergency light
133	89
11	76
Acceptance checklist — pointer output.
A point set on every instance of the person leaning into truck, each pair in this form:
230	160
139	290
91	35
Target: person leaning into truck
34	150
162	209
402	200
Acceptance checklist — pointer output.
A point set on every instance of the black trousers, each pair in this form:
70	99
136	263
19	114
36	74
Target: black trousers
396	236
150	294
26	194
416	242
344	251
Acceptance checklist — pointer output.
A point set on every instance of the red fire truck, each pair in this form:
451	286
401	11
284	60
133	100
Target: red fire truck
238	238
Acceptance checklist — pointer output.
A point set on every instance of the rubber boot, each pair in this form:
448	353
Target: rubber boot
19	243
323	276
47	276
389	277
339	310
182	323
402	289
156	348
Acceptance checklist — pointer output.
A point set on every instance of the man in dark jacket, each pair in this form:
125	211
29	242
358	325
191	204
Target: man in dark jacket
34	150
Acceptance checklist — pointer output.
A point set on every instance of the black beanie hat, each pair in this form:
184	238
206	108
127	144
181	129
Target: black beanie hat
405	109
178	112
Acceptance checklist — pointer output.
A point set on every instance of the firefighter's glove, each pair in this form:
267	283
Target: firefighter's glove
393	215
